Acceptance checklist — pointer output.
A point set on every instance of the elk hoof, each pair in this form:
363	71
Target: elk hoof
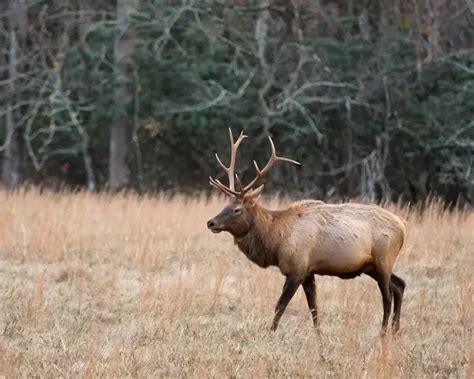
396	332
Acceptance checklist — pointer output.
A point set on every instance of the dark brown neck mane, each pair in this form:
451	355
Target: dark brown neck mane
262	242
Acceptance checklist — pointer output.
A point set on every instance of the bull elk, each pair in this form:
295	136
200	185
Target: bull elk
311	237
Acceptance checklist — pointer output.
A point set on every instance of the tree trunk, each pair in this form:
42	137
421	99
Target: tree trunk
12	157
434	13
349	153
120	136
261	31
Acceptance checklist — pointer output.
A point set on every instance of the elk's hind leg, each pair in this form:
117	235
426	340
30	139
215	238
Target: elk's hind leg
289	289
383	281
397	285
309	286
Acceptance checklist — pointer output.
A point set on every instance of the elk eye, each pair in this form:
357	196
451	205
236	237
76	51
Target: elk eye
237	211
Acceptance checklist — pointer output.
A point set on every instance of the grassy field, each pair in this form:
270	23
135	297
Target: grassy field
95	285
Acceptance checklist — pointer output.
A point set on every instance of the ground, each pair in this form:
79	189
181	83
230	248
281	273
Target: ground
101	285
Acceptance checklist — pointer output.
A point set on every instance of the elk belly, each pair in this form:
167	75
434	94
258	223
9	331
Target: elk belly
347	256
343	268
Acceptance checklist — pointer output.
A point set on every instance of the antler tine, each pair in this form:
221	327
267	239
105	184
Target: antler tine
273	159
222	188
239	183
220	162
233	154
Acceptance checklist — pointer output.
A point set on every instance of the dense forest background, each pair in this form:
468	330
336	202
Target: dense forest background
374	97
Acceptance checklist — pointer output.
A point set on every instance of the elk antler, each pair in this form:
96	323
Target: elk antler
260	173
230	190
242	191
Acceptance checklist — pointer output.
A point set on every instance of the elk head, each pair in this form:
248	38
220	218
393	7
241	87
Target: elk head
238	216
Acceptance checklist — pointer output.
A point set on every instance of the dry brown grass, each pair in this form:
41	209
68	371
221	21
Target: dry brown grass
95	285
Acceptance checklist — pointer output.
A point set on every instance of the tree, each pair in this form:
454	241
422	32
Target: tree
13	146
120	136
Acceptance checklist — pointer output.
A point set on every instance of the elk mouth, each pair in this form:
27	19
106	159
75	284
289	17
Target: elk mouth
216	230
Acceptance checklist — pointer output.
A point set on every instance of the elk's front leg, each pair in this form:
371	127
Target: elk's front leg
309	286
289	289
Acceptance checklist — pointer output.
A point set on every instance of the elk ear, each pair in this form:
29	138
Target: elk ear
253	195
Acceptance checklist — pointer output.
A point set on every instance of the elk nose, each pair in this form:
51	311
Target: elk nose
211	223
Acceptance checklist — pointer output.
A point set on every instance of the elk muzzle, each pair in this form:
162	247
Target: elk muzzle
213	225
